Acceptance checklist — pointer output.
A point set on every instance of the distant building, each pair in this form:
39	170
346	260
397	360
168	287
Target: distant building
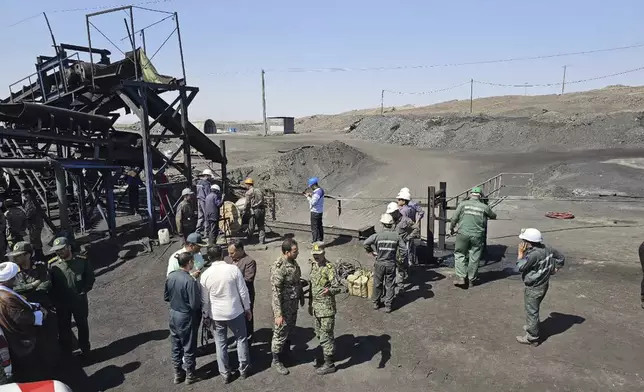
209	127
285	125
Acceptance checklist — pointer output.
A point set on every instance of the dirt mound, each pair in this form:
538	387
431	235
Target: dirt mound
334	164
546	131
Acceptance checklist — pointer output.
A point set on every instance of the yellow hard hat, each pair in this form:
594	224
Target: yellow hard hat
249	181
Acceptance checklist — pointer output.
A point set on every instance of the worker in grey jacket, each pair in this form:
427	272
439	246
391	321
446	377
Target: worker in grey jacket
536	262
388	246
183	293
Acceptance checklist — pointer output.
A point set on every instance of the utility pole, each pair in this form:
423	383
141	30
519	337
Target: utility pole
264	102
471	95
563	83
382	103
525	88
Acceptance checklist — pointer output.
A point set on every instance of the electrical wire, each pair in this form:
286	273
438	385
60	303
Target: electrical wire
427	92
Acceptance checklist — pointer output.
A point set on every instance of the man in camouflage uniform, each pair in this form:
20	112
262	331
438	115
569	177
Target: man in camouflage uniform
286	285
471	218
324	287
16	223
35	222
255	209
72	278
185	217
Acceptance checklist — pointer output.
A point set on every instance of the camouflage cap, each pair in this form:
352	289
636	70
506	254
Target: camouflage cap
59	243
21	248
318	249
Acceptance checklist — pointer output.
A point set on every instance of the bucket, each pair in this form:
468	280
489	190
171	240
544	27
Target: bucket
164	237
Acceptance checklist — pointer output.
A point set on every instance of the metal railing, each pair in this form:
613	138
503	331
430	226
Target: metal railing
492	187
58	73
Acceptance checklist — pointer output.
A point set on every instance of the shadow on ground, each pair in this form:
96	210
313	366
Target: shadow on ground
418	286
125	345
362	349
558	323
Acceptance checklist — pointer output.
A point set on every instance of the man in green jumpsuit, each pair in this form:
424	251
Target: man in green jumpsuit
470	223
286	284
324	287
72	277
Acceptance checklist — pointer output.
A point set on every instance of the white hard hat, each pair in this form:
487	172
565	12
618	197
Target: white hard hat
186	191
215	187
207	172
386	219
531	235
405	190
404	196
391	207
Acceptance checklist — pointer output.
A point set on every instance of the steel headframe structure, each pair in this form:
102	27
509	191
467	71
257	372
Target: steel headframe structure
64	120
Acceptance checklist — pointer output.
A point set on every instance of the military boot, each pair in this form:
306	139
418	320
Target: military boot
192	378
179	376
528	339
278	365
318	358
327	368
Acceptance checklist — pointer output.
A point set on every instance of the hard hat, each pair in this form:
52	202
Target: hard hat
313	181
207	172
531	235
215	187
391	207
405	190
476	190
186	191
249	181
386	219
403	196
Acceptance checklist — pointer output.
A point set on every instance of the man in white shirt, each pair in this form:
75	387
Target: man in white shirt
194	243
226	304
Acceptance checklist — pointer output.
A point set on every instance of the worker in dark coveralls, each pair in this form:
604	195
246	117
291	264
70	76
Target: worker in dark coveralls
214	201
248	267
72	277
185	218
389	247
16	223
324	287
133	183
203	190
20	321
536	262
255	210
34	284
183	293
286	284
35	222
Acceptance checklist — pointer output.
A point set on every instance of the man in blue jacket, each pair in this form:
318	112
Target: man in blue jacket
203	189
214	201
315	196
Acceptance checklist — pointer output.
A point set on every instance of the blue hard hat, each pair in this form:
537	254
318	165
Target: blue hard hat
313	181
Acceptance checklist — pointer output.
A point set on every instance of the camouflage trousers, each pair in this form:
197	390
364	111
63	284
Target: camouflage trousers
324	331
282	332
34	234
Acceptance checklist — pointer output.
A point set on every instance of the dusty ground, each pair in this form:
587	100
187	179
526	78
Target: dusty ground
439	337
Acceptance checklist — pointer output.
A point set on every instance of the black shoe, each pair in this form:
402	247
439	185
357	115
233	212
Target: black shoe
327	368
192	378
318	360
279	366
225	378
179	376
243	375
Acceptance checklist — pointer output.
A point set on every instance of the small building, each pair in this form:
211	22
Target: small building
209	127
285	125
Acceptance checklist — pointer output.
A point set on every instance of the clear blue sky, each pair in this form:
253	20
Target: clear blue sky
226	43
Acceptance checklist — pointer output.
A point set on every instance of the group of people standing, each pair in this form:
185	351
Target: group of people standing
21	223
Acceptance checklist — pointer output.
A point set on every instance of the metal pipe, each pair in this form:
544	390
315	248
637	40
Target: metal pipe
28	113
61	195
183	64
442	216
28	163
147	159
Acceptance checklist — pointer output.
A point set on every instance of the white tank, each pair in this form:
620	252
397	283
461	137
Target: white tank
164	236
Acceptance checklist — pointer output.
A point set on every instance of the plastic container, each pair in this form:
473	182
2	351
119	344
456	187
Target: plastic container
164	236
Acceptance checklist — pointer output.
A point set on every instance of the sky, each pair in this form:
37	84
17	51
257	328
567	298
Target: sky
227	43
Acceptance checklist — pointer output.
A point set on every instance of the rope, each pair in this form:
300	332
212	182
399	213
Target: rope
559	215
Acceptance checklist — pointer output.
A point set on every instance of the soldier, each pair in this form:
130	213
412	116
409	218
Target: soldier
185	218
35	222
255	209
286	283
72	277
324	287
16	223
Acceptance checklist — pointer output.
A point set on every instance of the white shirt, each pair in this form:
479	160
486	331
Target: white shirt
173	263
224	295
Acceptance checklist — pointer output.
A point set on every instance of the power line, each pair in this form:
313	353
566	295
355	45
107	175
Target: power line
482	62
427	92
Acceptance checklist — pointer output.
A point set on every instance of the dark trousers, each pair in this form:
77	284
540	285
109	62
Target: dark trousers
212	231
133	197
184	328
257	219
384	281
79	311
641	252
533	297
317	231
250	325
201	214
